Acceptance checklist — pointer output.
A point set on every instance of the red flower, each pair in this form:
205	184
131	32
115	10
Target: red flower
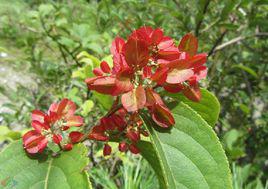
51	126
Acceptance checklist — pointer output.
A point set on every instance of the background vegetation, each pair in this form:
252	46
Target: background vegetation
47	49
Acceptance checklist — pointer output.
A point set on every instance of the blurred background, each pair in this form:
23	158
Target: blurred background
48	48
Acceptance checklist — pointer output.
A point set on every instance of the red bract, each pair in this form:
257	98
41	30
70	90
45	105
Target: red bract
34	142
118	127
134	100
51	126
146	60
183	73
136	53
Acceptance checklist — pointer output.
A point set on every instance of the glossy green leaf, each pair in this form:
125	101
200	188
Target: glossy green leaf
17	170
189	155
208	107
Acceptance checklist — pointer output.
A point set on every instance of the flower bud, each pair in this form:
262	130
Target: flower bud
134	149
68	147
122	146
57	138
134	136
107	150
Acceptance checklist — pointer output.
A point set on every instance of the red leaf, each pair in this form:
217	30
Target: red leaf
98	72
34	142
117	45
76	121
134	100
123	82
102	84
197	60
98	133
118	58
147	71
189	44
75	136
200	72
179	76
192	93
39	126
134	136
162	116
173	88
160	75
66	108
166	43
152	97
143	34
157	35
53	108
136	53
37	115
105	67
134	149
57	138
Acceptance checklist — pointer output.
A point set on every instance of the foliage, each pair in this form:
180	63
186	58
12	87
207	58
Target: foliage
65	171
188	143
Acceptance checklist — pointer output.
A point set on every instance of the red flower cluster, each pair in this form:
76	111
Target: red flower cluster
52	127
147	60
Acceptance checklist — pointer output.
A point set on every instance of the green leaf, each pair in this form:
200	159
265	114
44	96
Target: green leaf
7	134
208	107
17	170
105	100
229	6
87	107
247	69
84	54
189	155
46	9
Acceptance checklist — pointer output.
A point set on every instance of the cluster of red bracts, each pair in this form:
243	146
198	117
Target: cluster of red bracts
121	127
53	127
147	60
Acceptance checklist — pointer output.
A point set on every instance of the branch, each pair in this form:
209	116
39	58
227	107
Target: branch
238	39
218	41
176	3
60	46
201	20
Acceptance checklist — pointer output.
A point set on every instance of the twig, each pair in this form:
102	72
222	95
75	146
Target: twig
201	20
238	39
60	46
91	155
218	41
177	3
